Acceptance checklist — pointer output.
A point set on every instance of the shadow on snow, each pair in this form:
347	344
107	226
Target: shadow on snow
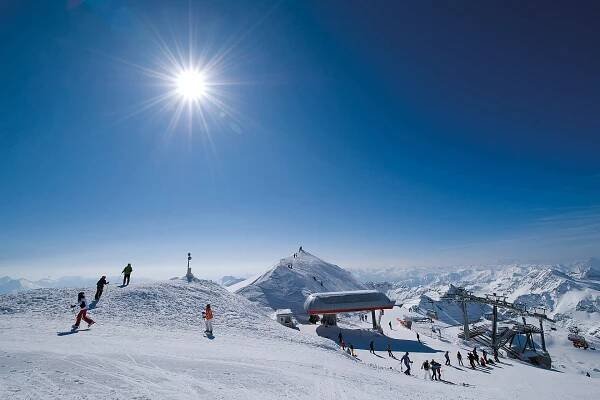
71	332
361	338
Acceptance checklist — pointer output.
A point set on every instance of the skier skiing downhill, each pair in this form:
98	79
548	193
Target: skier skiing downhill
82	311
126	274
207	314
425	367
406	360
100	287
459	358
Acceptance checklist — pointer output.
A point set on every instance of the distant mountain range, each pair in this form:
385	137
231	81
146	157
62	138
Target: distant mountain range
15	285
569	293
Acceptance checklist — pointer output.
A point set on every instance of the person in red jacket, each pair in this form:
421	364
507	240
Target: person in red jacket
208	317
82	311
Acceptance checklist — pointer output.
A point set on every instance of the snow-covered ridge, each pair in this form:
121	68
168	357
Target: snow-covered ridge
292	279
174	304
570	294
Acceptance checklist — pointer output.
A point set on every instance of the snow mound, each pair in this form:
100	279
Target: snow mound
174	304
289	282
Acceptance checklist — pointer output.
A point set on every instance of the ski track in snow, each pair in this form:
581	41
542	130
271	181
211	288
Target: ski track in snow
148	344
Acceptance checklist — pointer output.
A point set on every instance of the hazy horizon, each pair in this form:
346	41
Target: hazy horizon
163	273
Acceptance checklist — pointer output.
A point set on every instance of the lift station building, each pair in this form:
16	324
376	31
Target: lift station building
331	303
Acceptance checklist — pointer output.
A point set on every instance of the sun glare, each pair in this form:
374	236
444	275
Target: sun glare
191	84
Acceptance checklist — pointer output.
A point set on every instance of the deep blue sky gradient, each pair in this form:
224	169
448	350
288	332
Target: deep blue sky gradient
373	133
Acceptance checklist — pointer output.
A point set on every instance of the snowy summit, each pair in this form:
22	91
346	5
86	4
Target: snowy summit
292	279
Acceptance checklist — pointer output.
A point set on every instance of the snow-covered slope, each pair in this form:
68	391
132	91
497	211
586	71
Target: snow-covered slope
147	344
287	284
175	304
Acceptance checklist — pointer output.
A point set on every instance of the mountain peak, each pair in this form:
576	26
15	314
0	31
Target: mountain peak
293	278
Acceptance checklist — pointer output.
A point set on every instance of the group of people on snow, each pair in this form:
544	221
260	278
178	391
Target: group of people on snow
431	368
349	349
207	314
82	302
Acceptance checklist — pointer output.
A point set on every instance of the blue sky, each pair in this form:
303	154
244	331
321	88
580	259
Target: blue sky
374	134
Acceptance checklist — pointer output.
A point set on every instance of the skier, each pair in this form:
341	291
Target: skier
208	317
352	350
447	358
389	350
300	250
425	368
475	355
484	355
126	274
407	362
496	355
343	344
471	358
340	337
459	357
482	361
390	324
418	337
372	347
82	311
100	287
436	369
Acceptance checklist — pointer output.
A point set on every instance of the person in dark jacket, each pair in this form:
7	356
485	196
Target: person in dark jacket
447	356
459	358
475	355
126	274
436	369
372	347
471	358
100	287
406	360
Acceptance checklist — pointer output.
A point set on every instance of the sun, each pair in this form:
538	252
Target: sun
191	84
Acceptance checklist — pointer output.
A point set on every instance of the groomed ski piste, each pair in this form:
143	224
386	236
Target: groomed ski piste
148	343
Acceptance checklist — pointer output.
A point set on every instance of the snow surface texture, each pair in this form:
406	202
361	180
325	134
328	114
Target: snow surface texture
285	287
148	344
570	294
